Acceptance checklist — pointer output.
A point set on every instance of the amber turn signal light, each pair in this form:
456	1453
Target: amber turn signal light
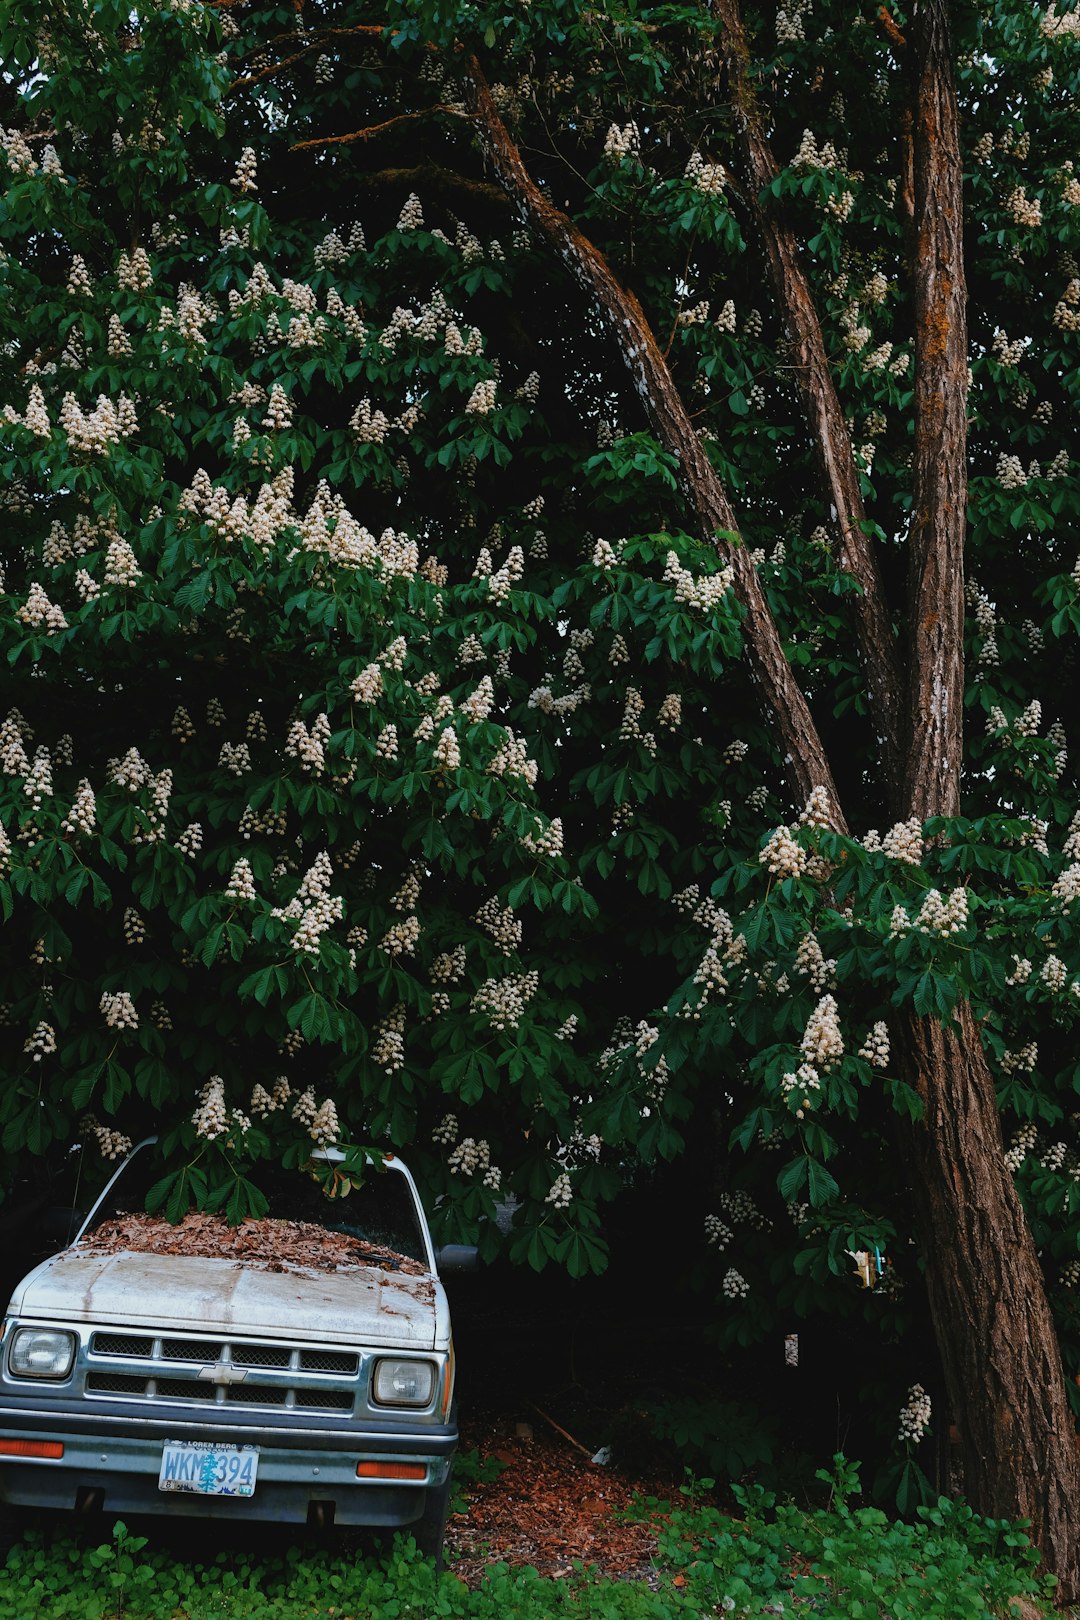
391	1470
31	1448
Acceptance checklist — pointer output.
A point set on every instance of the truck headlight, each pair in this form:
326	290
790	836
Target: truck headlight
41	1353
403	1383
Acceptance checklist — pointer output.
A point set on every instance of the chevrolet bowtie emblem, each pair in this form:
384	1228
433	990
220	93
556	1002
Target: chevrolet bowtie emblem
223	1373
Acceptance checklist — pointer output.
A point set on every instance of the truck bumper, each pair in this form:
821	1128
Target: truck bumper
113	1463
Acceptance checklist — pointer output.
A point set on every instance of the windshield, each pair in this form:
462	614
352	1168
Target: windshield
381	1211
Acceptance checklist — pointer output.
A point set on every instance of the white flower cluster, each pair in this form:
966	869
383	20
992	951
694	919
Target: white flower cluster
1024	1142
325	1127
447	751
389	1049
1010	472
481	402
708	178
241	884
811	962
710	978
411	217
822	1043
110	1144
235	758
717	1233
512	759
449	967
502	581
94	433
561	1193
41	1042
903	842
944	917
703	593
800	1088
501	924
1022	209
119	1010
446	1131
567	1029
781	855
875	1049
817	811
622	142
914	1416
309	747
478	705
211	1118
41	614
402	937
1067	886
121	565
369	425
1053	973
312	907
503	1001
305	1108
546	841
734	1284
244	178
469	1156
265	1102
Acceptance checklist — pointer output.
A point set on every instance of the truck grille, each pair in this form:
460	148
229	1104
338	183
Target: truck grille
150	1367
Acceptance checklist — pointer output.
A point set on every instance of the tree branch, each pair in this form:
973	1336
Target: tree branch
374	129
939	517
785	707
874	634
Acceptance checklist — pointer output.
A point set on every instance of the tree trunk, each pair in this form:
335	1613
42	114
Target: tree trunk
784	708
872	621
992	1320
994	1330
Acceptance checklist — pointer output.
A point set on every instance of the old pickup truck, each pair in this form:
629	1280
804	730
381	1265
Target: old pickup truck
299	1368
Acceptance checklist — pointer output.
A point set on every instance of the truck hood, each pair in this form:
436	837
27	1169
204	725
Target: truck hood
362	1305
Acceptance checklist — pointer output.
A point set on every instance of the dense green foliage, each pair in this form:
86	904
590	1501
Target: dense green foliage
843	1562
336	544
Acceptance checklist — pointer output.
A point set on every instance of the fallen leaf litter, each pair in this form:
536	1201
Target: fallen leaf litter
267	1244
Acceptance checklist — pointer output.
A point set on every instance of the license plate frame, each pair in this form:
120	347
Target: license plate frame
208	1468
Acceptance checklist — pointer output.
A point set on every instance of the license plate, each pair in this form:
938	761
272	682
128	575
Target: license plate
207	1468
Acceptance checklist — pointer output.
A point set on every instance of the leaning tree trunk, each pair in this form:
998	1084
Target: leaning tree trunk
992	1322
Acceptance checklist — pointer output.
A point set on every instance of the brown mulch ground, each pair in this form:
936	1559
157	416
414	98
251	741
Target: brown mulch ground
270	1245
550	1507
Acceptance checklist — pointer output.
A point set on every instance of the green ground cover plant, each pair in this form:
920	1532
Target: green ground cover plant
840	1561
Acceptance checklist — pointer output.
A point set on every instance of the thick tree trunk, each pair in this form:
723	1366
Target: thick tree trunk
993	1325
988	1299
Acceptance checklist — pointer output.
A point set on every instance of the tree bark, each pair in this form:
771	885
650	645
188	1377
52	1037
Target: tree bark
784	706
939	469
874	633
992	1322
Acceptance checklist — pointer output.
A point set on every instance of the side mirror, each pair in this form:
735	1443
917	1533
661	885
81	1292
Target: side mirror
457	1257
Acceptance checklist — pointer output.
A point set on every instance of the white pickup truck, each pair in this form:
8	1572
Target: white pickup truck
275	1377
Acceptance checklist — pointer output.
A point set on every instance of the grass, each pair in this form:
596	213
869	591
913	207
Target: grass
839	1562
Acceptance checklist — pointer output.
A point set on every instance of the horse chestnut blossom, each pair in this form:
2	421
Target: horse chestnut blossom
823	1044
781	855
119	1010
914	1416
